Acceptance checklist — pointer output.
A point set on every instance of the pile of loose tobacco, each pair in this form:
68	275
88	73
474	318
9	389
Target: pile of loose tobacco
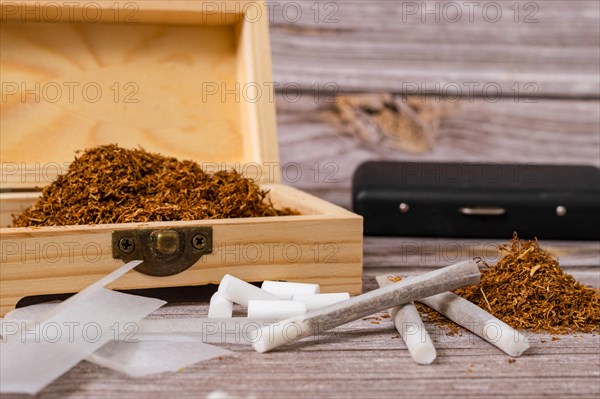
527	289
109	184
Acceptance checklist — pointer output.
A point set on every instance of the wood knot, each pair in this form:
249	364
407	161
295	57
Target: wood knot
392	122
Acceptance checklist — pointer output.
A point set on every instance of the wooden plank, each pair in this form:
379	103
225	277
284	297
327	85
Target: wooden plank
97	383
437	252
327	140
433	46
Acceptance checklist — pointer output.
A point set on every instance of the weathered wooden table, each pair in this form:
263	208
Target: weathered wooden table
367	358
520	86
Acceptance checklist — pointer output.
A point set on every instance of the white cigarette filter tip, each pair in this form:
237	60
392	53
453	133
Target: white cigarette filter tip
411	328
317	301
424	354
280	333
421	350
219	306
478	321
277	310
512	342
239	291
286	290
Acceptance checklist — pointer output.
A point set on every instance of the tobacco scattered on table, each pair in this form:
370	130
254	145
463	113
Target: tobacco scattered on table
109	184
527	289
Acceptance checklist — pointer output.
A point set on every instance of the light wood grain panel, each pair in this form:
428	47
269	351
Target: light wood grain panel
362	45
179	12
199	89
148	106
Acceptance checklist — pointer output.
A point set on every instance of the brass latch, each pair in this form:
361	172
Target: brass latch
165	252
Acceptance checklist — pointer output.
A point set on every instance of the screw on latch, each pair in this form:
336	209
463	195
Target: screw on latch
404	207
126	245
199	241
561	211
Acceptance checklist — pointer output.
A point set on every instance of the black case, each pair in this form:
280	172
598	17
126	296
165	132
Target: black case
478	200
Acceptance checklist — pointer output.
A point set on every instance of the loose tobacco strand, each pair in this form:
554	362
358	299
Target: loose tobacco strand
109	184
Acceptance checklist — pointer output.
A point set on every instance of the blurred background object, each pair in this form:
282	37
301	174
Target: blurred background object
433	81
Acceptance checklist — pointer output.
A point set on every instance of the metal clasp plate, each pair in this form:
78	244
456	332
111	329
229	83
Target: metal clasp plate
165	252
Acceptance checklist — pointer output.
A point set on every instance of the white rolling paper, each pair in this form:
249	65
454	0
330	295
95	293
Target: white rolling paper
41	351
155	353
158	345
231	330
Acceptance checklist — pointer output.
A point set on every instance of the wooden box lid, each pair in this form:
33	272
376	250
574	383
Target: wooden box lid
190	79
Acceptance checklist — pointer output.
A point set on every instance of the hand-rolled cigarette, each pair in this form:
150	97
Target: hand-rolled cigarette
411	328
219	306
479	322
277	310
239	291
286	290
318	301
316	321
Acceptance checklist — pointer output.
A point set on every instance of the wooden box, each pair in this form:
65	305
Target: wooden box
191	79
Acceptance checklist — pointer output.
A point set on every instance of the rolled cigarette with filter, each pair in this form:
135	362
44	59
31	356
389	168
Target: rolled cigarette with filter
239	291
275	310
286	290
408	322
479	322
317	321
